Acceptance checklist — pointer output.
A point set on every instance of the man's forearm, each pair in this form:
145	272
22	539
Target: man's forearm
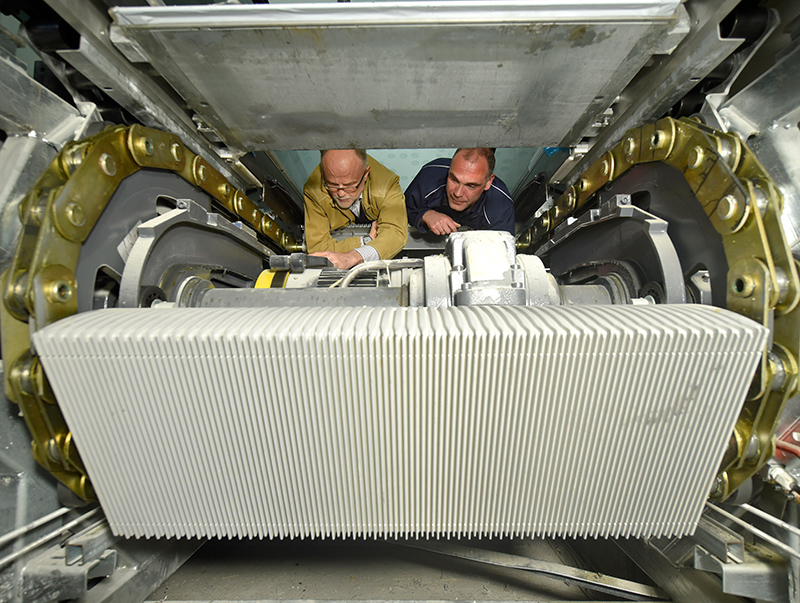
426	216
342	261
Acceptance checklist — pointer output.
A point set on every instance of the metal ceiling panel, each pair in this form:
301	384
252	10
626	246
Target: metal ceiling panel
397	74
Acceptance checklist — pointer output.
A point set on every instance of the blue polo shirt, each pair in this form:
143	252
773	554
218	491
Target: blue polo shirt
494	210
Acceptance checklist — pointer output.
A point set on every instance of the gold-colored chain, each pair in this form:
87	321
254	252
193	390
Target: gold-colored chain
744	206
40	286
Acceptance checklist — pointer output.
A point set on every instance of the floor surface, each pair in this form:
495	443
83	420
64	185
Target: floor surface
362	570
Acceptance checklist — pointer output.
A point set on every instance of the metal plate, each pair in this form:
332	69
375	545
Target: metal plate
397	74
328	422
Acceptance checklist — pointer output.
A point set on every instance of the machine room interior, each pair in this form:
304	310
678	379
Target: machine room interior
601	406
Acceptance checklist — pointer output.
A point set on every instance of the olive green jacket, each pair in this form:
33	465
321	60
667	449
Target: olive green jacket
382	200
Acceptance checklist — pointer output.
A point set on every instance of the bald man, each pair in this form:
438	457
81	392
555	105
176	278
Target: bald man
462	191
349	187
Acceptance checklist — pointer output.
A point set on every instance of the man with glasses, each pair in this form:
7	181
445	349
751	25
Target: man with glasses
348	187
462	191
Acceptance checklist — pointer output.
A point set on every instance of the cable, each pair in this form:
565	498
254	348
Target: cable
787	447
46	538
763	535
773	520
388	264
6	538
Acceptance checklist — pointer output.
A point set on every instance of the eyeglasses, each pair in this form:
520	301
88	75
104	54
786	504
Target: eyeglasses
347	189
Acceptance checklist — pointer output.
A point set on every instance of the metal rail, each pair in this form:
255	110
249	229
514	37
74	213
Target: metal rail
6	538
754	530
47	537
633	591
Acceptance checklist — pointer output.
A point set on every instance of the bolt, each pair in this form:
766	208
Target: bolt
177	151
784	284
630	146
743	285
727	207
145	146
107	164
761	199
695	158
73	158
778	370
53	450
75	214
658	139
60	292
22	375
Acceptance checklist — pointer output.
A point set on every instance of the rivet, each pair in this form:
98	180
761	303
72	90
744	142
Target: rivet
201	173
22	374
604	167
695	158
784	284
107	164
75	214
73	158
177	151
239	203
53	451
761	199
727	207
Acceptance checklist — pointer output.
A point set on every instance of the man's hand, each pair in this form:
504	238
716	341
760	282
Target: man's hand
342	261
439	223
373	231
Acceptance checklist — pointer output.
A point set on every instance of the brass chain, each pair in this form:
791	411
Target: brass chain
39	288
744	206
